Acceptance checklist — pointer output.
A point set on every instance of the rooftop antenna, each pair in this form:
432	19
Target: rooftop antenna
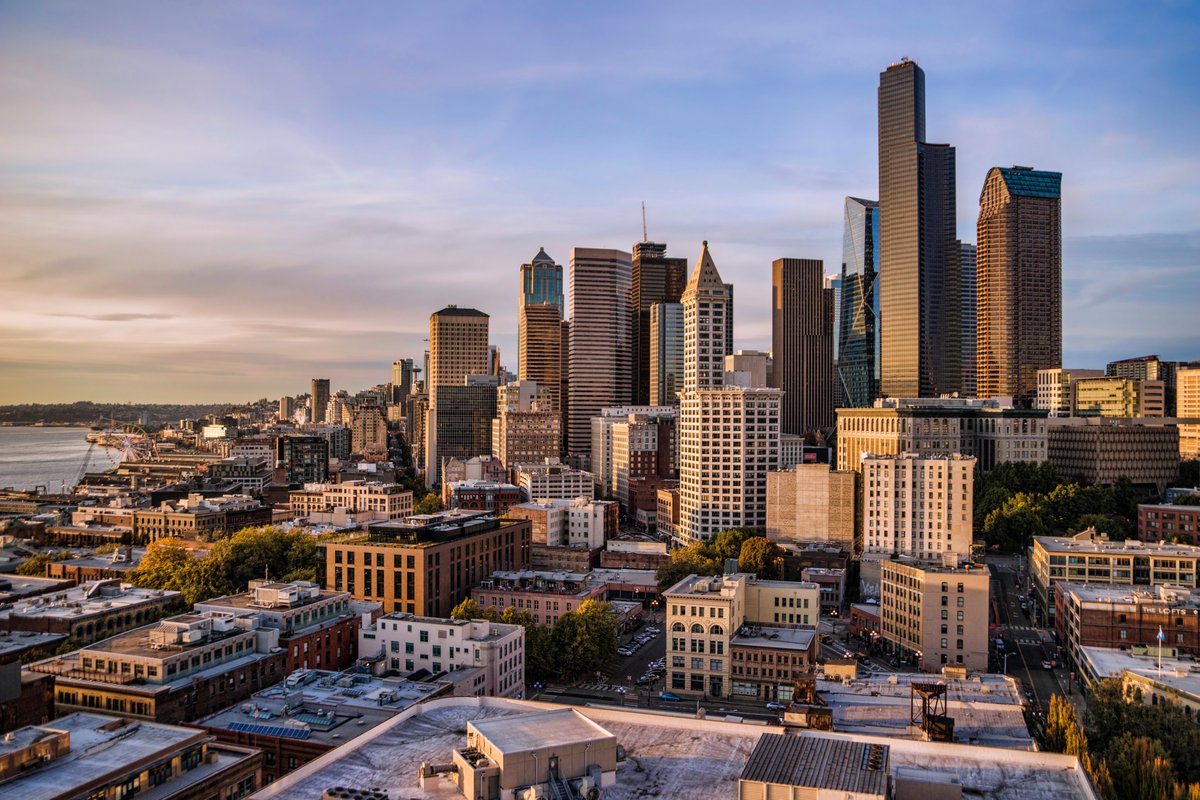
645	236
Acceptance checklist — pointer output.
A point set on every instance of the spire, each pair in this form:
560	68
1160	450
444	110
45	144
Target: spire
705	280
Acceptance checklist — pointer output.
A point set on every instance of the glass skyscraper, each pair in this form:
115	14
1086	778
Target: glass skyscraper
858	317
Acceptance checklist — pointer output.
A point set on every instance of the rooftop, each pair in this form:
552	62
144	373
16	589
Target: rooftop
1181	675
265	595
1101	544
14	587
819	763
559	728
13	643
91	598
1174	597
775	638
669	755
118	561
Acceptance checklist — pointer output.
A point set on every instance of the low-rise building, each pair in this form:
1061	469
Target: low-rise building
1055	388
197	516
833	587
553	481
1113	396
86	755
1104	615
705	614
478	657
473	495
1104	450
545	595
765	661
318	628
1155	675
250	473
311	712
579	522
426	564
667	523
634	552
1159	522
1090	557
864	621
173	671
936	615
94	610
383	500
116	564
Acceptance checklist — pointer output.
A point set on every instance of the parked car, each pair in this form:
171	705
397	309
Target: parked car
776	706
625	651
1047	665
669	696
642	681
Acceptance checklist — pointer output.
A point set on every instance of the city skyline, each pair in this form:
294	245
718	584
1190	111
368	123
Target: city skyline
174	231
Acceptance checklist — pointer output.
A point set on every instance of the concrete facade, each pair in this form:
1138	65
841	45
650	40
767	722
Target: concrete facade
935	614
812	502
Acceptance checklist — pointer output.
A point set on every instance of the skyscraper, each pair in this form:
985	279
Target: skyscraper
541	356
920	341
319	399
541	282
599	340
858	332
402	379
967	274
656	279
1019	275
666	353
728	434
458	348
802	344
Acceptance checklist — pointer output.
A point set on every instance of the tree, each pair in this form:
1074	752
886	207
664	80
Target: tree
1140	769
429	504
1189	472
762	557
469	609
728	544
585	638
695	559
253	553
36	565
163	565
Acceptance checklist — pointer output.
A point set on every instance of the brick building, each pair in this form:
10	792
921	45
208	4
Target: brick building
1169	523
1103	615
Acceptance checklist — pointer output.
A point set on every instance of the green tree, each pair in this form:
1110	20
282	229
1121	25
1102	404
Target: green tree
1060	718
35	566
253	553
431	503
163	565
469	609
762	557
728	544
585	638
695	559
1140	769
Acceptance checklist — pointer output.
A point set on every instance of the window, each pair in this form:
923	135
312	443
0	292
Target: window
424	636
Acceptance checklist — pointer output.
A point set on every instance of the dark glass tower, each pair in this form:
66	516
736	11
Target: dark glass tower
858	320
656	279
920	335
802	344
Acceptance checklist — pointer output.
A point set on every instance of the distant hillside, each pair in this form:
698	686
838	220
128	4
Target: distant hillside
86	413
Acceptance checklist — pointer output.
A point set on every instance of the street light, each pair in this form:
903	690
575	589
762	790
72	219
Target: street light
1006	655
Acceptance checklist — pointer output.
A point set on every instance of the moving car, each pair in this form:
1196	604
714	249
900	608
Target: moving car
1047	665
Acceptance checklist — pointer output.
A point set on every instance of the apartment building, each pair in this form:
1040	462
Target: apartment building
1187	403
383	501
918	506
425	564
489	496
704	615
317	628
936	615
1160	522
1089	557
173	671
569	523
667	521
642	447
553	481
197	516
481	658
812	502
528	424
601	462
94	610
545	595
1103	615
992	432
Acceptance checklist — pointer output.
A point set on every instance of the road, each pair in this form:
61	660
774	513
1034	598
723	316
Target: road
1026	646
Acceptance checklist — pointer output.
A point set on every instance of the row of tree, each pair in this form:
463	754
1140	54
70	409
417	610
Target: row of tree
754	553
229	565
579	643
1131	750
1020	500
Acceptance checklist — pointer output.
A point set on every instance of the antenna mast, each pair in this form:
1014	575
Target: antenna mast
645	236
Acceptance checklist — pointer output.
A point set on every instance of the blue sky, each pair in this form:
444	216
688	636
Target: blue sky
218	201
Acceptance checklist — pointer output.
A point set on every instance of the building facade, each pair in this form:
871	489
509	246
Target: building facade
920	340
528	426
1187	402
967	267
458	348
553	481
802	344
385	500
656	279
1169	523
917	506
936	615
1056	389
812	502
666	353
858	312
319	400
1103	451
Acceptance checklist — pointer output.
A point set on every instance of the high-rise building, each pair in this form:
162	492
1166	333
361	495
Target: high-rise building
728	434
812	502
541	281
601	461
402	379
1149	368
1056	389
464	416
319	400
1187	405
527	424
920	338
368	431
918	506
666	353
656	279
858	317
303	459
729	320
1019	278
599	341
802	344
966	264
458	348
541	357
286	408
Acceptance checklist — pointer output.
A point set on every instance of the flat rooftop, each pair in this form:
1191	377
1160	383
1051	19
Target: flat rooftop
1109	662
14	587
91	598
106	561
819	763
17	642
1120	593
668	755
776	638
104	747
559	728
1066	544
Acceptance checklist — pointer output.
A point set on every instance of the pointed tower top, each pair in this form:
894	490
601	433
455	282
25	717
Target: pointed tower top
705	279
542	258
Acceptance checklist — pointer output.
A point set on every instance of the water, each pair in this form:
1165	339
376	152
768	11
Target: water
31	457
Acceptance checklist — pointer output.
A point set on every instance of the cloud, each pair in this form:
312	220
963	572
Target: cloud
116	317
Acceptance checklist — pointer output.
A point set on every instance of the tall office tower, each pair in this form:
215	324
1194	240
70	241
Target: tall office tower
458	347
402	379
656	279
666	353
541	282
1150	368
319	400
966	265
526	429
600	347
802	344
705	306
285	408
1187	406
1019	275
541	356
920	337
858	321
564	370
494	368
729	320
728	434
368	431
834	284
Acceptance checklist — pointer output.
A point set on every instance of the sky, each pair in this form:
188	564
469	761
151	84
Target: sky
209	202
